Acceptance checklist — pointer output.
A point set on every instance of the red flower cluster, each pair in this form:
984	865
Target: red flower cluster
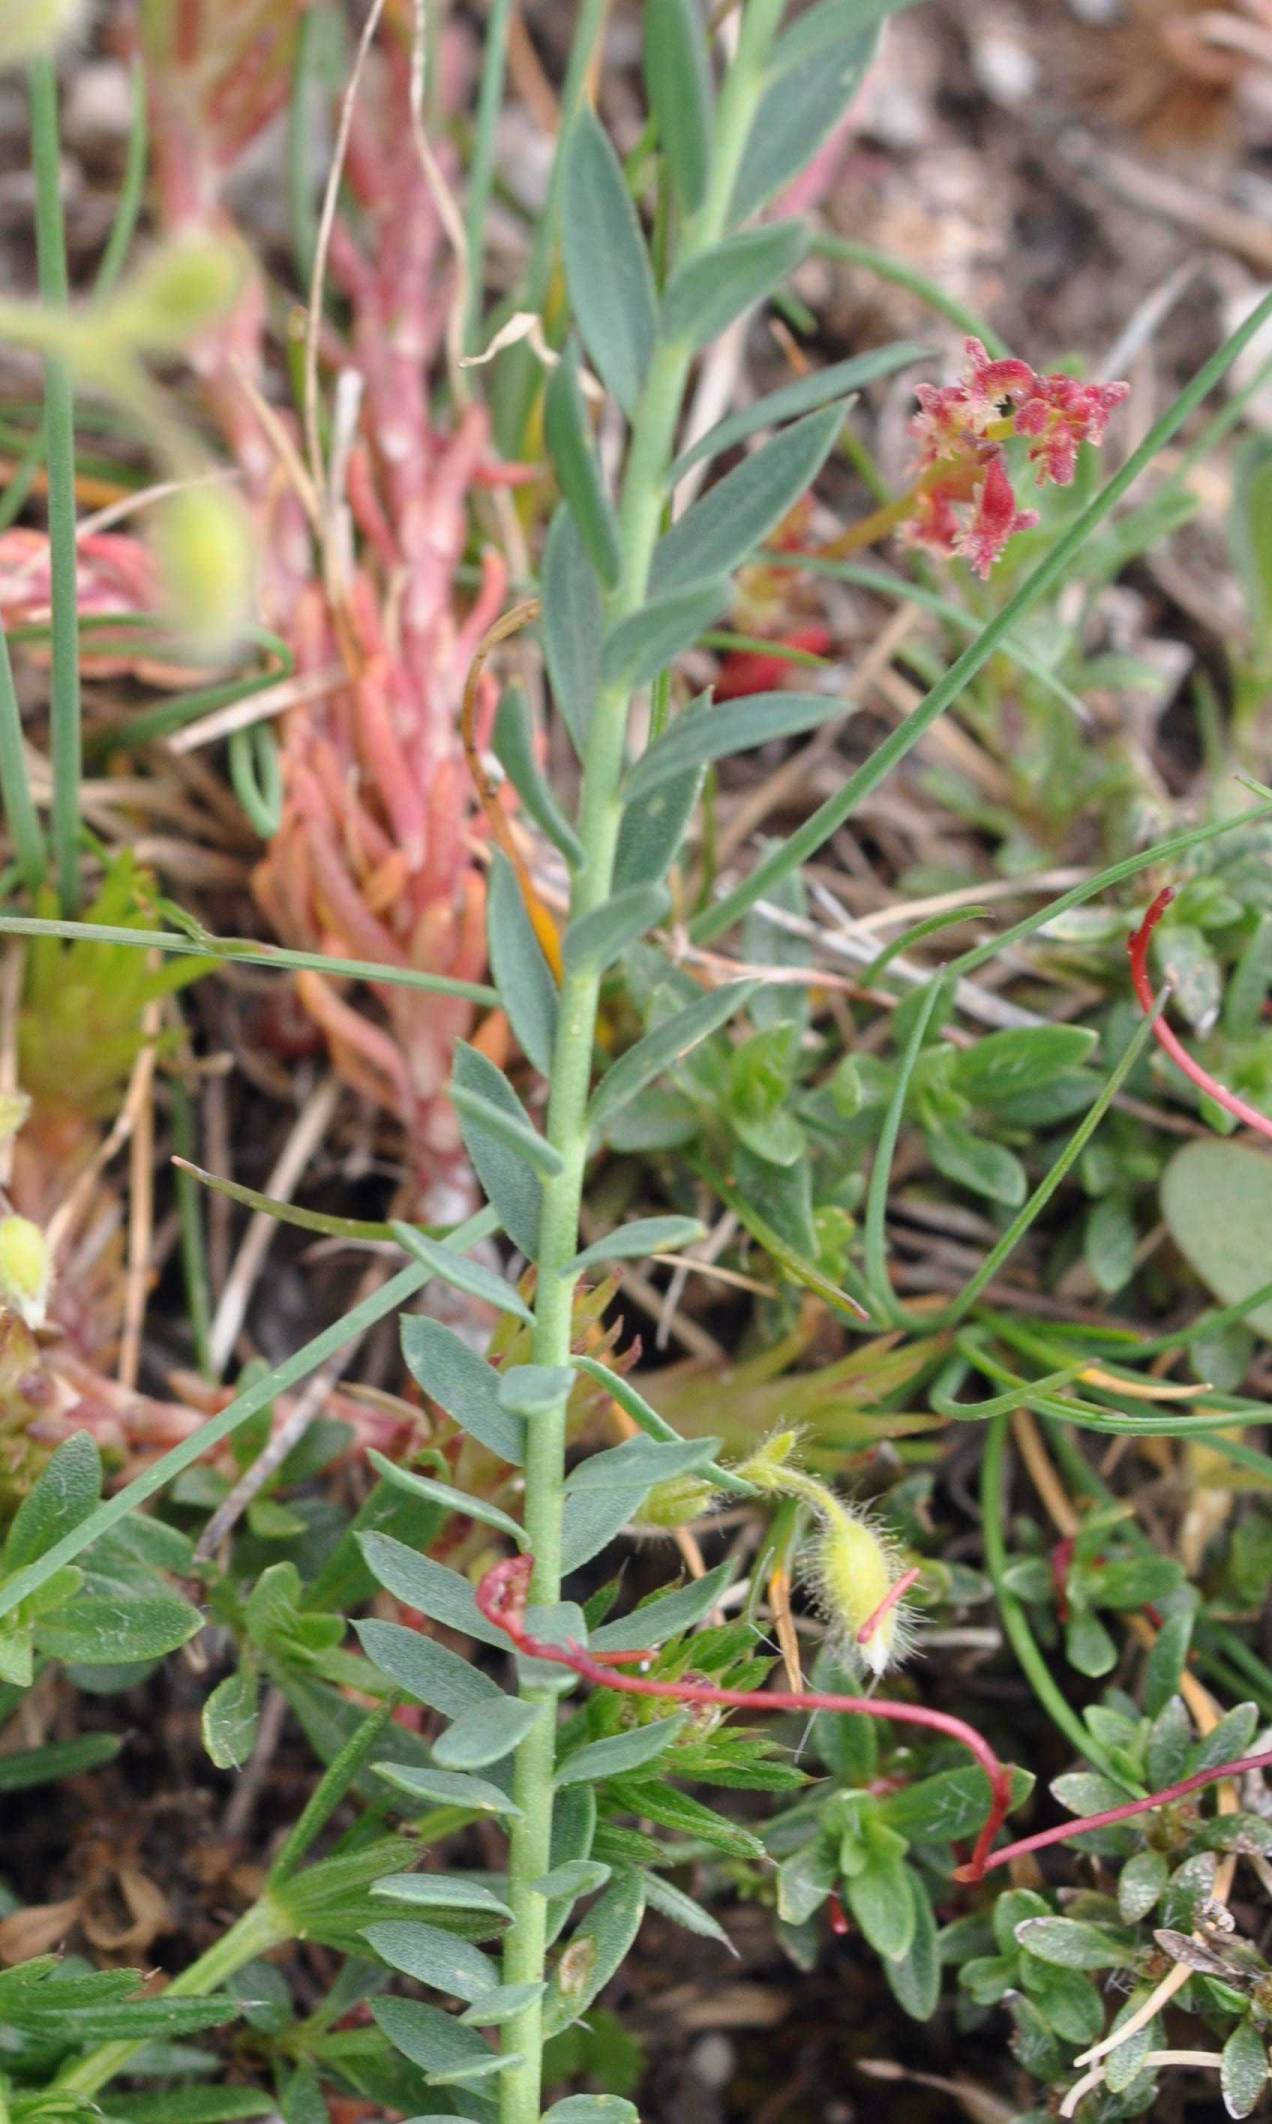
961	429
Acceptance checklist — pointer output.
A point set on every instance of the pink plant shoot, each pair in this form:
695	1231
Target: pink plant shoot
1138	948
375	855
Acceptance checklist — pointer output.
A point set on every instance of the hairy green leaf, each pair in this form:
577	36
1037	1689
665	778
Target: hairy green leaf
463	1383
607	266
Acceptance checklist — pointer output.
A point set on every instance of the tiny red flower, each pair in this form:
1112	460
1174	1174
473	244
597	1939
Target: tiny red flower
994	518
961	429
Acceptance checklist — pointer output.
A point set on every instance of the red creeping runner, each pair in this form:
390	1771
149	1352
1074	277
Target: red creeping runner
501	1598
1137	946
1064	1830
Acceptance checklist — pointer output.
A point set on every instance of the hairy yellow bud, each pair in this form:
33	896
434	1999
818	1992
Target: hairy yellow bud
24	1269
854	1565
203	541
31	28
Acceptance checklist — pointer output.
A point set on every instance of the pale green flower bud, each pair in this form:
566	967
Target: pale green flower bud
853	1564
203	541
676	1503
24	1269
181	289
856	1566
29	29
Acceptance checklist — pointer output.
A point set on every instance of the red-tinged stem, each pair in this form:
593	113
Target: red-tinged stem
501	1597
1137	946
1064	1830
890	1599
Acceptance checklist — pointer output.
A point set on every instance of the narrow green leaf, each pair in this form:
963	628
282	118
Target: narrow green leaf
425	1669
574	462
431	2039
519	1137
440	1891
665	1617
61	1499
645	1235
639	1463
678	84
106	1630
1003	1065
592	2109
646	642
807	96
463	1384
634	1404
622	1751
534	1389
510	1187
653	830
601	1499
728	522
879	1898
305	1220
522	974
673	1903
514	748
455	1500
821	387
462	1274
704	297
607	265
589	1522
439	1959
666	1045
735	726
57	1759
914	1979
431	1587
596	1951
1069	1943
594	941
446	1788
573	625
503	2003
486	1735
574	1878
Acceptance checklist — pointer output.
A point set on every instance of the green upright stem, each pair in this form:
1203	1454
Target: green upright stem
600	816
59	431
